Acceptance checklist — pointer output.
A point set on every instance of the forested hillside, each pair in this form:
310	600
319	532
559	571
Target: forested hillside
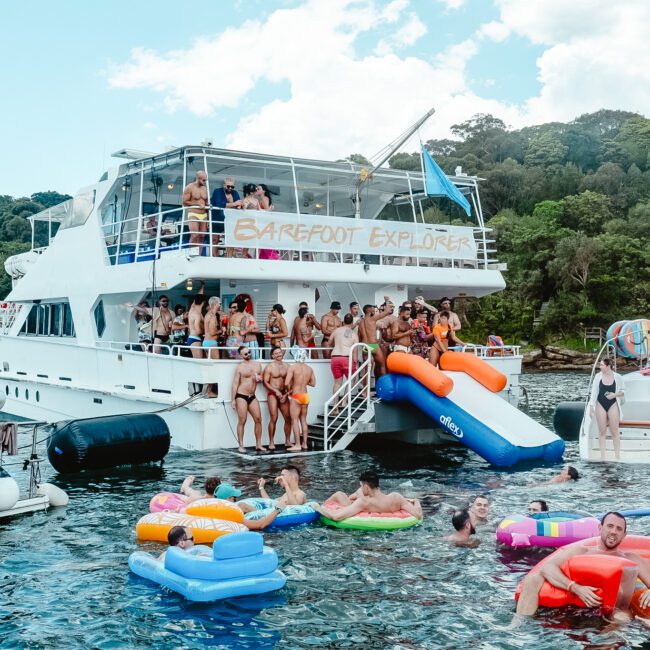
569	205
570	208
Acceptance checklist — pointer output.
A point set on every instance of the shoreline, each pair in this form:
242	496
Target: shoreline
551	358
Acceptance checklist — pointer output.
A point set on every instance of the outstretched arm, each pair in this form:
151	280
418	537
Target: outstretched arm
261	524
343	513
188	490
260	484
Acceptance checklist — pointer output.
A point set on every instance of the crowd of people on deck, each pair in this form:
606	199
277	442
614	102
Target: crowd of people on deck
205	331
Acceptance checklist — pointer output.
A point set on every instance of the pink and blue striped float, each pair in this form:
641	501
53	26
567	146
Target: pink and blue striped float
547	529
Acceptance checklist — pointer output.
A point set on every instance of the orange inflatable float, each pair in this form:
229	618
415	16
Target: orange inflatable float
215	509
613	576
155	526
475	367
421	370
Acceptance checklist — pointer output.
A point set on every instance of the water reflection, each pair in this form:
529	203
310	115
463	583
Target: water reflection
64	580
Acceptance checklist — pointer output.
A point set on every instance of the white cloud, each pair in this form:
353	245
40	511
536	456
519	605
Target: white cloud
149	125
596	56
452	5
493	31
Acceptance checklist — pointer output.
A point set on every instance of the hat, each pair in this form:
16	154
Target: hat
225	491
445	299
335	305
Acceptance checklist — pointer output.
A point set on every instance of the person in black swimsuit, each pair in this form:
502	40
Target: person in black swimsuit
606	392
244	401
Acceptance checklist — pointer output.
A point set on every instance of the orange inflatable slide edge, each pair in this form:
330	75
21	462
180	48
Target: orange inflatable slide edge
475	367
422	370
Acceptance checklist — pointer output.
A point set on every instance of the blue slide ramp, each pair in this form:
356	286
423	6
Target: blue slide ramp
478	418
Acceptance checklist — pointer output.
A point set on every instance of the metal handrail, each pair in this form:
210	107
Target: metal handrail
353	381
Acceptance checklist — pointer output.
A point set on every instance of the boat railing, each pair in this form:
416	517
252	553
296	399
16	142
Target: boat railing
351	399
185	351
145	238
489	352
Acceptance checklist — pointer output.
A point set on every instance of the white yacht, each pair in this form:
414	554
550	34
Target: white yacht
68	338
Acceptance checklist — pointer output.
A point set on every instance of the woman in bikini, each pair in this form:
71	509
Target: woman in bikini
265	201
605	402
442	336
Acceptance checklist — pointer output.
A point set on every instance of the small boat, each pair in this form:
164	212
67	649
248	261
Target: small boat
631	340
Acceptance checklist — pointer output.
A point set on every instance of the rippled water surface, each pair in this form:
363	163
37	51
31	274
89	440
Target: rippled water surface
64	580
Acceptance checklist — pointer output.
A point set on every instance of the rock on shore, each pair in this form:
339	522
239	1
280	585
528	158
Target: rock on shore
554	358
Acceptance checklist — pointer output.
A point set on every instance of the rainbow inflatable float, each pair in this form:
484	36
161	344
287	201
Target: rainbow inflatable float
546	529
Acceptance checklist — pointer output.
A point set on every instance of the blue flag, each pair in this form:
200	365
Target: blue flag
436	182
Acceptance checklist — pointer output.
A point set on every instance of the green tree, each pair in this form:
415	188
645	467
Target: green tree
586	212
546	150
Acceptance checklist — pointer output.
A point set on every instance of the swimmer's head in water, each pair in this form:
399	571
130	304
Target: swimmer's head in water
368	481
480	506
211	484
180	536
613	528
461	519
538	505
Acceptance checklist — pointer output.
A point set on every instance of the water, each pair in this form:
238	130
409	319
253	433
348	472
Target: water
64	580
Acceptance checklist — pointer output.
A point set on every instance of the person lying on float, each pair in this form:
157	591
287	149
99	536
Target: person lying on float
369	498
613	529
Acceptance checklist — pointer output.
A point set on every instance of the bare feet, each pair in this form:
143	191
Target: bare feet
261	450
242	450
294	448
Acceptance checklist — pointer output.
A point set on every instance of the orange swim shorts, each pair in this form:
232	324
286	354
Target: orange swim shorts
301	398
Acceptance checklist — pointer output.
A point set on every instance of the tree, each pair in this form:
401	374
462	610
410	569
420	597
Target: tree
50	198
545	150
358	159
575	257
586	212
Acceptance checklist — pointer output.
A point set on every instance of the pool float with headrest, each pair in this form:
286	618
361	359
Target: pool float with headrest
547	529
155	526
634	338
613	576
290	516
371	520
612	335
237	565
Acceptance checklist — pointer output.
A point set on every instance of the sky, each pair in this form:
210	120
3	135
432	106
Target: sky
310	78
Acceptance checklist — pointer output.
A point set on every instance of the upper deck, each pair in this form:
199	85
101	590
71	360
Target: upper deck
322	212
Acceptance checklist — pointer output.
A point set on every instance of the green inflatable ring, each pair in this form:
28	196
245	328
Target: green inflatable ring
371	521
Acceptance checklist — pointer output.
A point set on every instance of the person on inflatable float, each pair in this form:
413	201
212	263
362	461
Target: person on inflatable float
613	529
181	537
369	498
211	484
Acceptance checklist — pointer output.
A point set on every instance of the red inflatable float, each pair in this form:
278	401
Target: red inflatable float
613	576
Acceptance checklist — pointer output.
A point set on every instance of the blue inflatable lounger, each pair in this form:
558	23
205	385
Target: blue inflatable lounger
290	516
237	565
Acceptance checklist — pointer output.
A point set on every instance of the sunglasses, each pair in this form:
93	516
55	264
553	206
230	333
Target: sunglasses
230	187
189	539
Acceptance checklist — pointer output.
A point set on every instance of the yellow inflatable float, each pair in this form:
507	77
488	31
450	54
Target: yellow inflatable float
155	526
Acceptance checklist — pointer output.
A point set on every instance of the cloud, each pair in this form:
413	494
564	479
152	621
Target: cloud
452	5
596	55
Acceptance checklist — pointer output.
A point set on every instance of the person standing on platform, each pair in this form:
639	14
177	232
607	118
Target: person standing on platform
299	377
195	199
328	323
244	400
275	377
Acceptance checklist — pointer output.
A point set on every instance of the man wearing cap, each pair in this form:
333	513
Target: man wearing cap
223	197
454	321
328	323
230	493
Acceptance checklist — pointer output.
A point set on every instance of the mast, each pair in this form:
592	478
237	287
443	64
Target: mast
384	155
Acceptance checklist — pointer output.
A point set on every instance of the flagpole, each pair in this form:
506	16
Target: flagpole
424	178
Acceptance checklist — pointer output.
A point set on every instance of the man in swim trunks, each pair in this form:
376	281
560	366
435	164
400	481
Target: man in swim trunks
249	330
162	318
299	377
212	330
328	323
313	323
613	529
368	334
236	319
274	377
244	401
195	199
462	523
341	341
289	480
196	325
211	485
401	330
369	498
223	197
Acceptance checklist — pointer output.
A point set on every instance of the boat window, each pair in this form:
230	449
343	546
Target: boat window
130	211
82	206
49	319
325	193
100	321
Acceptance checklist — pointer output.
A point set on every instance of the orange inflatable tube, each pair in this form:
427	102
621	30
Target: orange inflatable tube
155	526
215	509
635	606
422	370
476	368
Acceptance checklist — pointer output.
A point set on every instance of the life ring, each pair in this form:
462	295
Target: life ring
546	529
613	576
155	527
612	334
290	516
371	520
634	338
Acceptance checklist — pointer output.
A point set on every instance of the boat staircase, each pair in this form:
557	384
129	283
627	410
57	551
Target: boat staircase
350	410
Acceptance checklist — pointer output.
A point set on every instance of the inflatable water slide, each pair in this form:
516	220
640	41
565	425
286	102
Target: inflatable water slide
462	398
